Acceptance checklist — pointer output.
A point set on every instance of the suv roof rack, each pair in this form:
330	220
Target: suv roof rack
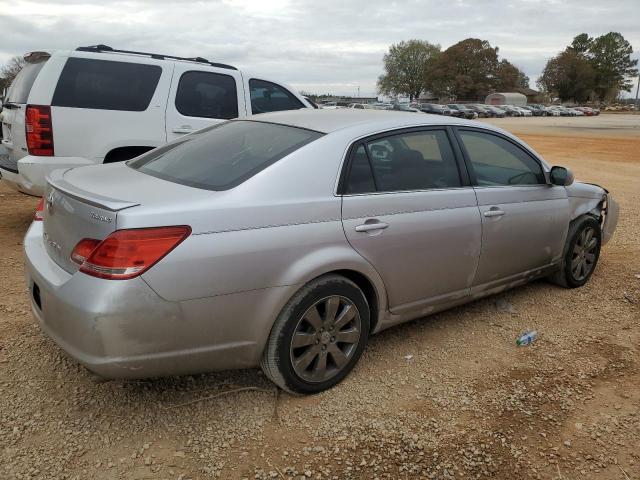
105	48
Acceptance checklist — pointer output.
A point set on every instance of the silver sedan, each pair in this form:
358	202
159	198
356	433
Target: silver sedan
285	240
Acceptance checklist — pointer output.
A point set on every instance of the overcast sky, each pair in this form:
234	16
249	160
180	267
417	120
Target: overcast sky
330	46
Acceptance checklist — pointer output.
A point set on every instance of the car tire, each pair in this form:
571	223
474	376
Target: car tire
581	253
304	353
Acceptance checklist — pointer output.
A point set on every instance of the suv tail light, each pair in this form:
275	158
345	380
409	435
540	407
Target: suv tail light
39	130
38	216
126	254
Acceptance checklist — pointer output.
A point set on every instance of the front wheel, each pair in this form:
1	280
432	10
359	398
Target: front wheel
581	253
318	337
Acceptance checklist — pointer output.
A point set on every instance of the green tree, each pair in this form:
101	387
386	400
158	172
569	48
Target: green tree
408	68
610	56
509	77
581	44
467	70
569	76
9	71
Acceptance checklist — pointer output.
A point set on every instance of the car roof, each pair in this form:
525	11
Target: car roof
327	121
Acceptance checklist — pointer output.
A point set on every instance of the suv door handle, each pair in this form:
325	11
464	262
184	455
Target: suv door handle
183	129
494	212
370	227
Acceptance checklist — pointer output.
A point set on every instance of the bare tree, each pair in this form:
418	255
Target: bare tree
9	71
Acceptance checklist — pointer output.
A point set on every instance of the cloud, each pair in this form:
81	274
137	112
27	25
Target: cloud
331	46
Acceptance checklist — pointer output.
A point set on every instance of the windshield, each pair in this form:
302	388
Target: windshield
223	156
21	85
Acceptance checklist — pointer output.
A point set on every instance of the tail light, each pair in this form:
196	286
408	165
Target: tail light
126	254
38	216
39	130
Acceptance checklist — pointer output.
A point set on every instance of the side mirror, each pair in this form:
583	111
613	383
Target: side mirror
561	176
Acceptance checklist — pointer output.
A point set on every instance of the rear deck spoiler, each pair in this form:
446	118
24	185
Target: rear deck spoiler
57	181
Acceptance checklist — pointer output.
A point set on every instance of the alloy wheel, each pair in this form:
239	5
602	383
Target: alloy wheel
584	254
325	339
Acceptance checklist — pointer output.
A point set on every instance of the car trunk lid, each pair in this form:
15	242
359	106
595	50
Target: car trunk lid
71	214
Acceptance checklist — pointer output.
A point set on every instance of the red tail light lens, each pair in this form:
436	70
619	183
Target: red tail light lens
37	217
83	249
39	130
128	253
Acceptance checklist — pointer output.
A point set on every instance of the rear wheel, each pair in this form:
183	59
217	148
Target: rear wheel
318	337
581	253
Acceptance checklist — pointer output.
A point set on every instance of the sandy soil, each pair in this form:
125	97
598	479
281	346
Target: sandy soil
449	396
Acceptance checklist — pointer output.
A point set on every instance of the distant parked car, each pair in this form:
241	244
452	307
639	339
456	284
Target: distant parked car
511	111
480	110
235	246
495	112
576	111
435	108
524	111
534	111
100	105
405	108
462	111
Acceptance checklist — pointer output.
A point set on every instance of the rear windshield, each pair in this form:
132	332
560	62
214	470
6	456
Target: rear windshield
106	85
21	85
223	156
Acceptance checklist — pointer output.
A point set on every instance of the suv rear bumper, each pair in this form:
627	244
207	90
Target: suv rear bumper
28	175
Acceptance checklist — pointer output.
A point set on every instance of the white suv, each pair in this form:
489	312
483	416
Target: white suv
101	105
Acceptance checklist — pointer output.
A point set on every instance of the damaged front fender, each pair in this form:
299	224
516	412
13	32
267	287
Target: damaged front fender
586	198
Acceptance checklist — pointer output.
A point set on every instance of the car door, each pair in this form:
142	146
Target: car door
524	218
201	97
408	209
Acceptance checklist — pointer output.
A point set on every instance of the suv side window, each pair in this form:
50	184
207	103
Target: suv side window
496	161
207	95
270	97
409	161
106	85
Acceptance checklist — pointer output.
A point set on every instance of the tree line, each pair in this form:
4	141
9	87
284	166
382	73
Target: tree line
468	70
588	69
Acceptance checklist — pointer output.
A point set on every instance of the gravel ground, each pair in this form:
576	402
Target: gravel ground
449	396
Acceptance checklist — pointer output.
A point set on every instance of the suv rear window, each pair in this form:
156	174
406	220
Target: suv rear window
21	85
223	156
106	85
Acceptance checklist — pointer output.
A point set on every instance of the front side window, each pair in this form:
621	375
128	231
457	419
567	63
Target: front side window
207	95
496	161
223	156
270	97
410	161
106	85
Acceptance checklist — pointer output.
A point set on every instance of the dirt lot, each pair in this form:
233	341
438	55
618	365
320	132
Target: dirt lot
450	396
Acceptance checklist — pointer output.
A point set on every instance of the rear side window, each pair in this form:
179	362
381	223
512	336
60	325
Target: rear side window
208	95
106	85
223	156
21	85
410	161
270	97
496	161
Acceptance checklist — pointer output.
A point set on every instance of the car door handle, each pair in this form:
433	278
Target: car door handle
370	227
183	129
493	212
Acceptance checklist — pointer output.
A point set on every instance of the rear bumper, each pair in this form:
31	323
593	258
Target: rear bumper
30	172
124	329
